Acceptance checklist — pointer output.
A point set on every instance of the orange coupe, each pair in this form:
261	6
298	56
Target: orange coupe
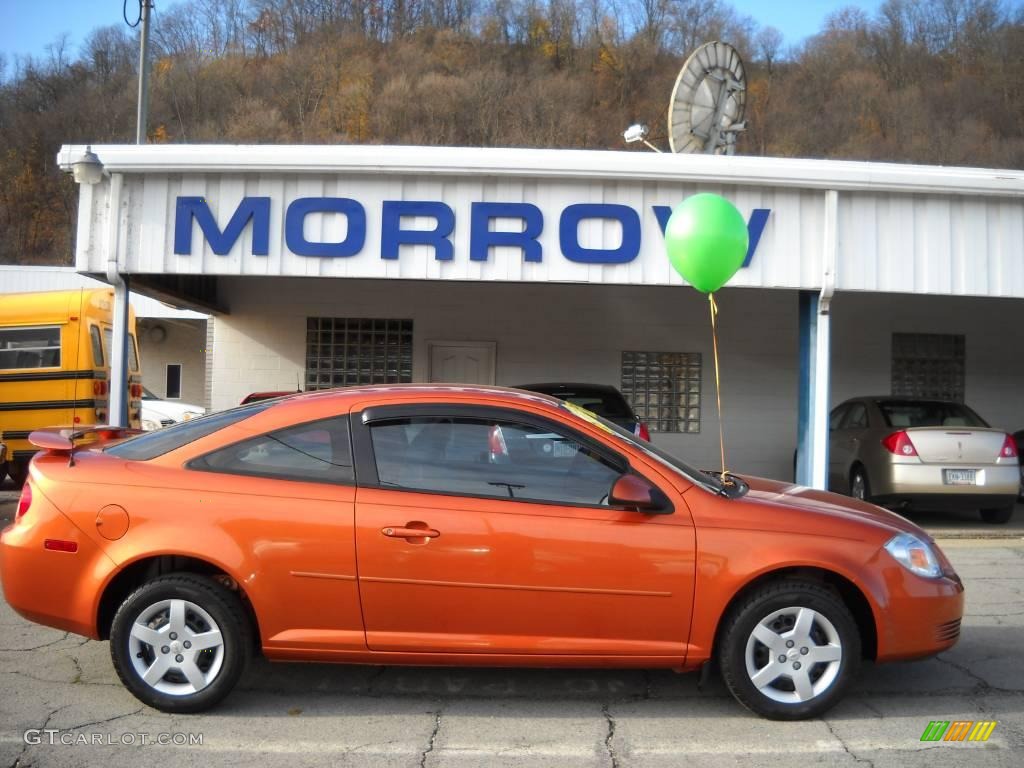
426	524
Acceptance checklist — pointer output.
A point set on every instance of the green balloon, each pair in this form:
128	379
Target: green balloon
706	239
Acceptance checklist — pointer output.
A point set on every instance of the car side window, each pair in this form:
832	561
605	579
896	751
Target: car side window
856	417
491	458
836	417
318	452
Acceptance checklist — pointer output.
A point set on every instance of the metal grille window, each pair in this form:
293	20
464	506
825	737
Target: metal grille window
928	365
664	389
343	351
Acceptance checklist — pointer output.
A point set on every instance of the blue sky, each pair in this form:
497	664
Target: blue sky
30	25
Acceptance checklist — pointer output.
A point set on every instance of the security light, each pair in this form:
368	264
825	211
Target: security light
636	132
88	169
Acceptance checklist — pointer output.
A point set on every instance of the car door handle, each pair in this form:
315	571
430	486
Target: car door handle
406	532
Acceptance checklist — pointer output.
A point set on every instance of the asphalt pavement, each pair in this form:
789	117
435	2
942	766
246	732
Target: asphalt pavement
62	705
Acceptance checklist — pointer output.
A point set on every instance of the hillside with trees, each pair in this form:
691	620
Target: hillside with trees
922	81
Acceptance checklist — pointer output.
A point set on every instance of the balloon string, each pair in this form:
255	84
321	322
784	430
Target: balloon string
718	384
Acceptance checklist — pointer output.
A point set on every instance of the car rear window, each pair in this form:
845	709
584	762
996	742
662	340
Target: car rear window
603	402
927	413
157	443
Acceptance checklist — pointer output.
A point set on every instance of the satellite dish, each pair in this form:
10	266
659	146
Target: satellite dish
708	101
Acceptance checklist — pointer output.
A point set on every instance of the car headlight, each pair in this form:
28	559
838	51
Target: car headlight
149	425
189	415
914	554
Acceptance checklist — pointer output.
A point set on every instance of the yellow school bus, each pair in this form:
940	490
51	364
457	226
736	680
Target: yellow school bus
55	367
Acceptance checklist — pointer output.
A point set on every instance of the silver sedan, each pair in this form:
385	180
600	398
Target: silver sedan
931	454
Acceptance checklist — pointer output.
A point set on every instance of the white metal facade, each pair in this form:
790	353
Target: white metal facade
29	278
900	229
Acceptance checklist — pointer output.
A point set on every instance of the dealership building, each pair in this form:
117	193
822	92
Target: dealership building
340	265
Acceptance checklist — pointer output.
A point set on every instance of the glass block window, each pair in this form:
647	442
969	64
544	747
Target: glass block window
664	389
928	365
342	351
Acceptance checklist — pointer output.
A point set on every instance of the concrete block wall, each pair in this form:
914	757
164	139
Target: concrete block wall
184	343
571	332
544	332
862	329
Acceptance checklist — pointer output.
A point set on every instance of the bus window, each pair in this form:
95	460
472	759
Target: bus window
133	355
30	347
97	346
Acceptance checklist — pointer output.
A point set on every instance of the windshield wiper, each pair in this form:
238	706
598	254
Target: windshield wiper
508	486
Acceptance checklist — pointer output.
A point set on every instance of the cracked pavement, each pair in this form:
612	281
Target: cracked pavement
333	715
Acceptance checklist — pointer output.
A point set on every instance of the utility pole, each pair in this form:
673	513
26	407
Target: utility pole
120	391
143	107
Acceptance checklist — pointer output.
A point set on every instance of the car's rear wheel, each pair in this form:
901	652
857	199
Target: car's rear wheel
860	488
790	650
18	471
999	515
180	642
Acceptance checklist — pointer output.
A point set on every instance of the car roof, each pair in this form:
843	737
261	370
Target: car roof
899	399
419	391
558	385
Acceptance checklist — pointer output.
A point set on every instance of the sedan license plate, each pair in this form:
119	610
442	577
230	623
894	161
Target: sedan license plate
959	477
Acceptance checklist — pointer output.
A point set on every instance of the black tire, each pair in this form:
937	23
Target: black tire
998	516
860	475
778	597
18	471
228	615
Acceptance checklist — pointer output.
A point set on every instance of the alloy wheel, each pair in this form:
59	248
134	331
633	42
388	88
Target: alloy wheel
858	487
176	647
793	655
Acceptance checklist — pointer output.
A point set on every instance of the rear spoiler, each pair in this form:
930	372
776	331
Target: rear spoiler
57	440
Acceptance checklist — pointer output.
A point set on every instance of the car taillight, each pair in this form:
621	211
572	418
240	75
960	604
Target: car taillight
642	432
900	444
1009	449
24	502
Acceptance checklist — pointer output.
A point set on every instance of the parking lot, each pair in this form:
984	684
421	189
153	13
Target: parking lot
62	689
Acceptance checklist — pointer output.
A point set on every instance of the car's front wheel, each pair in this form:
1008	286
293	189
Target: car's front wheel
789	650
180	642
998	516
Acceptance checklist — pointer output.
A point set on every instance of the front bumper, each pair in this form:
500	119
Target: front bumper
923	615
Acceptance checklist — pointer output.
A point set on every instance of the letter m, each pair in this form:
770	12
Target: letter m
191	209
935	730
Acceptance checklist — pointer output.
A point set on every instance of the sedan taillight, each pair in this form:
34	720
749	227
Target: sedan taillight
24	502
642	432
900	444
1009	449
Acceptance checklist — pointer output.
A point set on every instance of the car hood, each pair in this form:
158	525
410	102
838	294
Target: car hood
826	506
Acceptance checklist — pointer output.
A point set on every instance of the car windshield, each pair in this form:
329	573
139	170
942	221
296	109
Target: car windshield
147	395
706	481
152	444
928	413
599	400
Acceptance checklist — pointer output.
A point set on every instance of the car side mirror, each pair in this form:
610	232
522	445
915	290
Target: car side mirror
636	493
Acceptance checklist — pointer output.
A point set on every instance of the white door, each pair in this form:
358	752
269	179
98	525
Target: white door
462	362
